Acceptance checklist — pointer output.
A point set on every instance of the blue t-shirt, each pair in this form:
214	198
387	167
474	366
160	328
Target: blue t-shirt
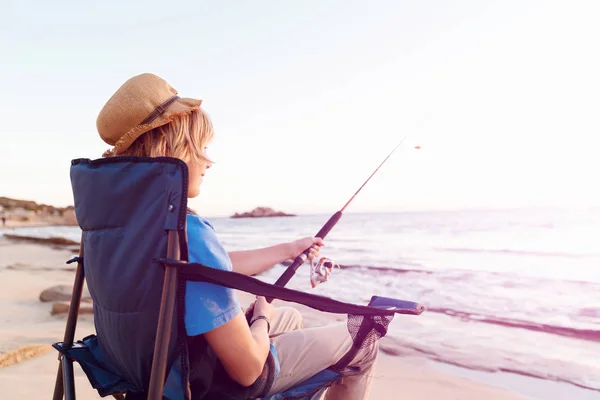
208	306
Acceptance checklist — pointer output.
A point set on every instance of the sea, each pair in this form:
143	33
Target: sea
514	291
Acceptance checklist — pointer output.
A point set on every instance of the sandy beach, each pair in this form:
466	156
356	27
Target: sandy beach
28	363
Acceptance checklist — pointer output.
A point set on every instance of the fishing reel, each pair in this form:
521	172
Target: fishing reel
320	270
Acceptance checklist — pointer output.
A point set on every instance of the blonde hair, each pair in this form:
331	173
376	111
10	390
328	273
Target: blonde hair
185	137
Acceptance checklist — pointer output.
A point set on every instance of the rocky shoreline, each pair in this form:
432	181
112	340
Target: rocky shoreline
15	212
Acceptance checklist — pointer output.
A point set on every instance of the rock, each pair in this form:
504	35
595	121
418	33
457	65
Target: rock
62	293
62	307
56	293
262	212
59	241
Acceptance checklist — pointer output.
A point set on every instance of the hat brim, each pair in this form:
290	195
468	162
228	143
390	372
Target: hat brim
179	107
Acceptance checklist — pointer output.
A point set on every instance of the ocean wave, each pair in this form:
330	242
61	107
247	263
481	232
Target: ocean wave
584	334
516	252
568	308
395	270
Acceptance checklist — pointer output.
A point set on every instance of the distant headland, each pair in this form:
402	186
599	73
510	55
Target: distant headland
262	212
14	211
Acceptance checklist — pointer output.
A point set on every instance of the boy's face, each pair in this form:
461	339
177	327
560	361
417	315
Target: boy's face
196	170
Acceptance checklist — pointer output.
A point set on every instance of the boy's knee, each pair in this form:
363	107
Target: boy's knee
294	317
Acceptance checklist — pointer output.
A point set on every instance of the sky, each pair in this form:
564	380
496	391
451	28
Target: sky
307	97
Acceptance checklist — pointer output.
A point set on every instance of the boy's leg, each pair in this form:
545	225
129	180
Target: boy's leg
286	319
303	353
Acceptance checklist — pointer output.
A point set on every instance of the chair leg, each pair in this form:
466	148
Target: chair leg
64	385
68	378
165	317
59	387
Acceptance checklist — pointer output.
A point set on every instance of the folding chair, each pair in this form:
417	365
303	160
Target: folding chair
132	213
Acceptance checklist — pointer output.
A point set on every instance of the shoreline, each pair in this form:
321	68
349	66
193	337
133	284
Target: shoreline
29	325
41	263
406	342
487	318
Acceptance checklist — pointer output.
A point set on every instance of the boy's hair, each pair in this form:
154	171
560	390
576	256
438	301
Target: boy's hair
185	137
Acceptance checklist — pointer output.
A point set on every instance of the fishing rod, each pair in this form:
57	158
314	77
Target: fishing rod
333	220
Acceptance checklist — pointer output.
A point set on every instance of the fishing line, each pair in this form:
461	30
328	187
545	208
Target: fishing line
333	220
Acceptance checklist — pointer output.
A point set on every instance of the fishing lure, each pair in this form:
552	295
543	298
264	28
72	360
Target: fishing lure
320	270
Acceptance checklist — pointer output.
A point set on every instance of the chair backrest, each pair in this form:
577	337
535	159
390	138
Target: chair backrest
125	206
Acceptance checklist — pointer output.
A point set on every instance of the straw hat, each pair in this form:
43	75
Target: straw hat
141	104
